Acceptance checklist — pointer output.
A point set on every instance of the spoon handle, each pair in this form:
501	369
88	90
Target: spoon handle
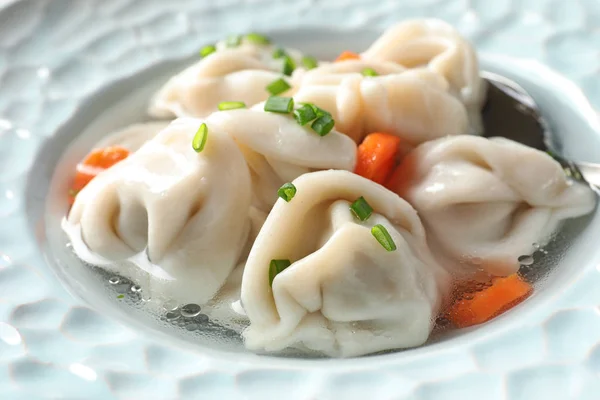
590	172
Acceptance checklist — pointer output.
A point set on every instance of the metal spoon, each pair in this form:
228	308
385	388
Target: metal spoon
512	113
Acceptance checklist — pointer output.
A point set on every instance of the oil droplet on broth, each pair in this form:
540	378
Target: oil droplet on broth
191	327
136	288
114	280
525	260
170	305
172	316
190	310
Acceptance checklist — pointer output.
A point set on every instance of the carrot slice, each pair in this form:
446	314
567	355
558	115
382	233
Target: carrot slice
347	55
376	156
95	162
479	307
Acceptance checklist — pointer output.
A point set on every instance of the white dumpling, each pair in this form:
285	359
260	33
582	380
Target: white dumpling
133	136
438	46
187	213
344	294
489	200
230	74
412	104
278	149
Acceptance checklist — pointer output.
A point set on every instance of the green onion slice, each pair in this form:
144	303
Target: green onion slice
233	41
276	267
369	72
257	38
231	105
289	65
278	104
279	53
277	87
383	237
309	62
287	191
305	114
323	125
361	209
319	111
207	50
120	296
200	137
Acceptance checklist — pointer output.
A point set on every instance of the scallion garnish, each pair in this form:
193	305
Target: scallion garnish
277	87
287	191
289	65
231	105
233	41
120	296
200	138
276	267
361	209
279	52
369	72
207	50
319	111
257	38
309	62
323	125
305	114
383	237
278	104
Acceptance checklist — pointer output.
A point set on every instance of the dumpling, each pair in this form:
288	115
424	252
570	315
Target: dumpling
344	294
185	213
230	74
489	200
436	45
133	136
278	149
412	104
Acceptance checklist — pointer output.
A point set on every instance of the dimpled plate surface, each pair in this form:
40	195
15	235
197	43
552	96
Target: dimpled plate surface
53	53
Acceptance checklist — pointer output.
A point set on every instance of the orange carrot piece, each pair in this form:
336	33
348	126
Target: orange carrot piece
95	162
347	55
479	307
376	156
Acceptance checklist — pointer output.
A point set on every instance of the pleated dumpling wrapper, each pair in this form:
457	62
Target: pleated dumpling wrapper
239	73
488	200
344	294
278	149
412	104
181	215
439	47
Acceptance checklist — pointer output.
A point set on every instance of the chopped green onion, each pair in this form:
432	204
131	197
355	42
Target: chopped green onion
276	267
383	237
233	41
323	125
279	53
287	191
207	50
200	138
319	111
361	209
231	105
257	38
277	87
305	114
369	72
289	65
310	62
120	296
278	104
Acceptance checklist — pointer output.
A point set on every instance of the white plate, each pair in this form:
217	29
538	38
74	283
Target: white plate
55	53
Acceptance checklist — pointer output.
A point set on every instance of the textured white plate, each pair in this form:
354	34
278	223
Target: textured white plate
53	54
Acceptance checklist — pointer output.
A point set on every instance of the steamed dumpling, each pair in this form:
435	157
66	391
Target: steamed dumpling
412	104
489	199
278	149
230	74
344	294
186	213
436	45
